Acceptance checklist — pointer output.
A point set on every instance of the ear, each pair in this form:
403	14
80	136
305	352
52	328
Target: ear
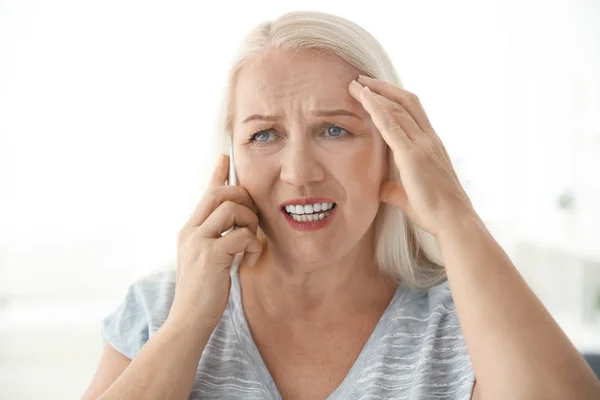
393	193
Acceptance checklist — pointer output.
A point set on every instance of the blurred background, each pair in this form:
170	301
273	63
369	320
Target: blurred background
107	113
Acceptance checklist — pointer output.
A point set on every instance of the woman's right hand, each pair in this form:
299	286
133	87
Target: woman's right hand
204	255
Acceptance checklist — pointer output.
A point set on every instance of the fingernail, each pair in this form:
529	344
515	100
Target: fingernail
356	84
364	77
368	93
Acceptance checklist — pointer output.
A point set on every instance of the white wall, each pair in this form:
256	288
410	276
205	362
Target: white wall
107	114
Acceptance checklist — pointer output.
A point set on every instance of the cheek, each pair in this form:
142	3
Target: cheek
370	163
363	171
254	173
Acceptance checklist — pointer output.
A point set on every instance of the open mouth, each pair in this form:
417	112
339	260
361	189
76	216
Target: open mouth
309	212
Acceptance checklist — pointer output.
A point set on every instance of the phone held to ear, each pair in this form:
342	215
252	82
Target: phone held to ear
232	181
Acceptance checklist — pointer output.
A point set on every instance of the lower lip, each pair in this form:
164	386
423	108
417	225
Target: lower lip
309	225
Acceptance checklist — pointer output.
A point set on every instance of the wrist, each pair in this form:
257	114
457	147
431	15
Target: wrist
460	225
196	324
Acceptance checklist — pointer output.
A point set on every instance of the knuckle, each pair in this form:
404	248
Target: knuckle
242	190
379	105
419	155
212	195
234	190
229	206
245	195
182	236
392	123
211	191
247	236
382	108
187	255
245	232
413	98
398	109
394	127
193	239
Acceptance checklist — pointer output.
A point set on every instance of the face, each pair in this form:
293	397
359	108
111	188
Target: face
308	154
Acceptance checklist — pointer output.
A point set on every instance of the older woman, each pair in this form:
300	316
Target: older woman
338	296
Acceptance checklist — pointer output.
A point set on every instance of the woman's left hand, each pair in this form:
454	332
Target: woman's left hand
429	193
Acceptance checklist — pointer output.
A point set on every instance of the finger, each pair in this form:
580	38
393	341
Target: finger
390	129
226	216
214	197
402	115
406	99
250	259
241	240
219	175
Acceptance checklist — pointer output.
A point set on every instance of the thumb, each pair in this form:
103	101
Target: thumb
394	194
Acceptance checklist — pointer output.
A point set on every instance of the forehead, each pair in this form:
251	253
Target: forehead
308	77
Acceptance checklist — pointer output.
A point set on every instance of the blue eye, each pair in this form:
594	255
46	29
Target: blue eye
335	131
262	136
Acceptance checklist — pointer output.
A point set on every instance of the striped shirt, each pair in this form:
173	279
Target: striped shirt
416	351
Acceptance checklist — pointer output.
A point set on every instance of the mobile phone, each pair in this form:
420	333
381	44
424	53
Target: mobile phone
232	181
232	178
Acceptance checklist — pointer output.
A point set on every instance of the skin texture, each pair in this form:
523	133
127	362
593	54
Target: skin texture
298	157
302	292
309	293
518	351
309	290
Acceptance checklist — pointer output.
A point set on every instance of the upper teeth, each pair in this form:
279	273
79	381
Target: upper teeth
309	208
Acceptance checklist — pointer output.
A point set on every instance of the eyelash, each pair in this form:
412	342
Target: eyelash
253	140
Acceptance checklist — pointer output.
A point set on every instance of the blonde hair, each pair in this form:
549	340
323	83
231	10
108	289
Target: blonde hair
402	249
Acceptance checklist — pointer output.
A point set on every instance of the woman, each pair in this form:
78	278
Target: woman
338	295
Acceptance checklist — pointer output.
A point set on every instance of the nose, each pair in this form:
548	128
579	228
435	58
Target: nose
300	163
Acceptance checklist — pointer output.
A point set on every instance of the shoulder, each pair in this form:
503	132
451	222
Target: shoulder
141	312
153	293
430	305
429	320
425	331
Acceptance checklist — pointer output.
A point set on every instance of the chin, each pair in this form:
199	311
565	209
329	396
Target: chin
315	253
321	247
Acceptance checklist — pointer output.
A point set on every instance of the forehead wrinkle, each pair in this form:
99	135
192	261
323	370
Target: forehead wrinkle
293	88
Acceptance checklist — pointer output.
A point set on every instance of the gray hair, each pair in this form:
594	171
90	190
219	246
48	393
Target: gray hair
402	249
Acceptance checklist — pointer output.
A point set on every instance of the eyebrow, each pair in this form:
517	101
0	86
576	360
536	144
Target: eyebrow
318	113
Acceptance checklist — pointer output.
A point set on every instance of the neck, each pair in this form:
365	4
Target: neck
286	288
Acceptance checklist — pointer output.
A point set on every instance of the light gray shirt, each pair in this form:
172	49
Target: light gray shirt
416	351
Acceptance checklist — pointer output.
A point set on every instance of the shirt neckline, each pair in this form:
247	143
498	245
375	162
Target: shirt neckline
257	364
